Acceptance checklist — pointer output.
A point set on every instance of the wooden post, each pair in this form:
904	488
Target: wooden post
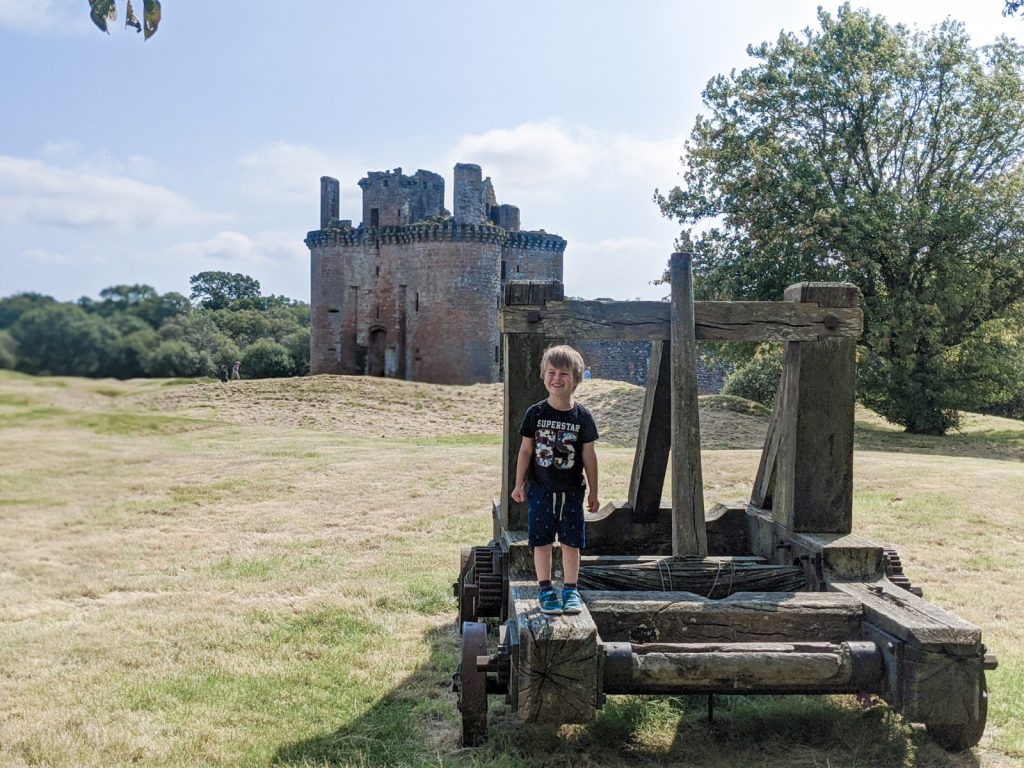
814	487
689	536
523	387
650	464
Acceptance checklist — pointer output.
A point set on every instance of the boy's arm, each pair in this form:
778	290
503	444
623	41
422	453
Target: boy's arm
522	467
590	469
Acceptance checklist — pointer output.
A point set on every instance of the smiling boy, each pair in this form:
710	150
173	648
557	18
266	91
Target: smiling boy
557	449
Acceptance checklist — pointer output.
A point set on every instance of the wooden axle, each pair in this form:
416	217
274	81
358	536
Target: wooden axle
849	667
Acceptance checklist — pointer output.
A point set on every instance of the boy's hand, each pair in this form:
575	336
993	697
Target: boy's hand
593	504
518	494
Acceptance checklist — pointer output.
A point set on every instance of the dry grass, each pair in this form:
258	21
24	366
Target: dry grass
259	574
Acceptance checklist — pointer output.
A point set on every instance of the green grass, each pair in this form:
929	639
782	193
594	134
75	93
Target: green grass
185	592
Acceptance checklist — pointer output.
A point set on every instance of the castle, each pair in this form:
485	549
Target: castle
413	292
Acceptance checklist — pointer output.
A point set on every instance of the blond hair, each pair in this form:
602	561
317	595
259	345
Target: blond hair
564	357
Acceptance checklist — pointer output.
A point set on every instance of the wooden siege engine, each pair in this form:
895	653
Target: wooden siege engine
776	595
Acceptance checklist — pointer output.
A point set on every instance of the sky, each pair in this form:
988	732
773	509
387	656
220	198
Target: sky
125	162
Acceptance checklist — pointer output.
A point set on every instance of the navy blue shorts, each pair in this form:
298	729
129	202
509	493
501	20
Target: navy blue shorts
552	514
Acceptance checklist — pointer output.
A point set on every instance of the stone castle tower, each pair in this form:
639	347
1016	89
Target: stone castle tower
413	292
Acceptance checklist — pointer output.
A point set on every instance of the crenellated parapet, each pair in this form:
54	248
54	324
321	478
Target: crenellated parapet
449	231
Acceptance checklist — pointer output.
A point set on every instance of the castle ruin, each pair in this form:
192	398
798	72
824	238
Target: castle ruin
413	292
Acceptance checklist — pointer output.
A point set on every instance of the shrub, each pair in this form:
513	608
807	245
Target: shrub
757	378
175	359
266	359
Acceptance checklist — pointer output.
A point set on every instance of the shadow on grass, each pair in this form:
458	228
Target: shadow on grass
1002	445
417	724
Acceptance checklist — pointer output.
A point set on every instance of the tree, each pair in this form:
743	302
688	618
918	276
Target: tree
13	307
178	359
891	159
8	352
219	290
63	340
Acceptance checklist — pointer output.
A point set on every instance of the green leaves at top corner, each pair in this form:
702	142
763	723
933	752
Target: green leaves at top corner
101	12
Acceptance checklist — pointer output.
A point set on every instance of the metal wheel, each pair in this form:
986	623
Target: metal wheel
473	685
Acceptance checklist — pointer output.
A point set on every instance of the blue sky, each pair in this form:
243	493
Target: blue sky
201	149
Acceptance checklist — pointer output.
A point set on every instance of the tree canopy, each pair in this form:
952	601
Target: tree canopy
219	290
865	152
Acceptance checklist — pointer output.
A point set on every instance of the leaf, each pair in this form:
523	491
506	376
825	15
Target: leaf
131	20
102	11
151	16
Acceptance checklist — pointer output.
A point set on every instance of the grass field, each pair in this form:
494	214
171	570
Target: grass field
259	574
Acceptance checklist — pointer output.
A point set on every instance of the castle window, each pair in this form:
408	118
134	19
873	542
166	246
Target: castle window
333	311
417	303
378	311
497	352
375	217
378	271
503	270
517	268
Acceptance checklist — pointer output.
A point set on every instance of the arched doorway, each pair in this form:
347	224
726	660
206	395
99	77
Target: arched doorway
375	351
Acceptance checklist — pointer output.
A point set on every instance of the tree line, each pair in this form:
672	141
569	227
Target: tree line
133	331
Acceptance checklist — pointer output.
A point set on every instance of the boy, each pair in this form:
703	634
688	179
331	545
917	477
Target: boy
558	447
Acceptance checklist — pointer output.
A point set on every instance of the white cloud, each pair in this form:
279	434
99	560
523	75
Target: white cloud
83	197
290	173
550	160
239	248
44	15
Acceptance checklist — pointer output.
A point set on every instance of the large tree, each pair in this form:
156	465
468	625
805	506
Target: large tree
886	157
218	290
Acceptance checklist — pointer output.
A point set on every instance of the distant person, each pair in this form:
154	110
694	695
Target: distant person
586	374
235	370
222	374
557	449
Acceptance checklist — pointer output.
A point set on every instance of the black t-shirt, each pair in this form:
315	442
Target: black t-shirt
558	438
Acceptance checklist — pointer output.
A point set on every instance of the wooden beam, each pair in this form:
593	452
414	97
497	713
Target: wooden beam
650	463
683	617
689	536
557	669
714	320
522	388
816	457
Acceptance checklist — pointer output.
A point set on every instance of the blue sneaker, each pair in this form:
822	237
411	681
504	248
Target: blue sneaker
572	603
549	602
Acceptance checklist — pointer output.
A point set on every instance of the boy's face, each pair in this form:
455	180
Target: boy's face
559	382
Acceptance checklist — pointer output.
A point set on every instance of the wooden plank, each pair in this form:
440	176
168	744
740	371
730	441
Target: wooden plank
557	676
822	458
911	619
683	617
764	481
714	320
689	536
650	463
522	388
616	530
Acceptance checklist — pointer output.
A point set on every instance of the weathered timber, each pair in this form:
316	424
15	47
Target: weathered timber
689	536
617	530
742	667
650	463
763	492
727	529
825	557
715	321
813	488
938	658
522	388
682	617
911	619
712	578
557	662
